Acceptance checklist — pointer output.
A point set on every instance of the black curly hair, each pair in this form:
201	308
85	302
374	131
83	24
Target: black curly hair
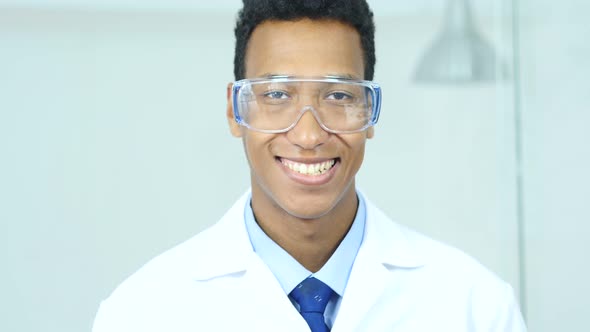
353	12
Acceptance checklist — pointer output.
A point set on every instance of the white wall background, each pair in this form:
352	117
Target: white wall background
555	98
114	147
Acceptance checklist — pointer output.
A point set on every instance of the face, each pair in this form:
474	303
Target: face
280	164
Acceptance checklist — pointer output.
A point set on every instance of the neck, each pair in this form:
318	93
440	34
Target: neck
310	241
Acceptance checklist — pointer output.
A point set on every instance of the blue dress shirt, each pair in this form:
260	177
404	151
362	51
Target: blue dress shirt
289	272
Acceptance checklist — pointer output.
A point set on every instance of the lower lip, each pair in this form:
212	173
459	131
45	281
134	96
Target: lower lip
310	180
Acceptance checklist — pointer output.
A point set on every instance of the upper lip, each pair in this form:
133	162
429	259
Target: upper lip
308	160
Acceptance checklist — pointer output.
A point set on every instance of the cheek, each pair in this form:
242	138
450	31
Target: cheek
357	149
256	149
249	150
356	144
360	154
353	152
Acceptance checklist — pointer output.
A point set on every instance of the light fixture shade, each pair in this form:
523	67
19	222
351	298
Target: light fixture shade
459	54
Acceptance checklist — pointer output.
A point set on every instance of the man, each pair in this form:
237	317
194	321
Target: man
304	250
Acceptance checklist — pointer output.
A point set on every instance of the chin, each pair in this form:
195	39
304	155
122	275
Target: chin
304	209
308	215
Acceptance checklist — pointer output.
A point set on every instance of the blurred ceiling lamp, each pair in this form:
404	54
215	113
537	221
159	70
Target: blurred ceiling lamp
459	54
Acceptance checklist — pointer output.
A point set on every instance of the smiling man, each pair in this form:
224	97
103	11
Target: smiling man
304	250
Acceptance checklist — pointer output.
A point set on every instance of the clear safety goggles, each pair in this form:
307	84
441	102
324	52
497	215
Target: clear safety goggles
275	105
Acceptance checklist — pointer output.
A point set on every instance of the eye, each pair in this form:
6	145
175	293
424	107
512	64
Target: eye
339	96
276	95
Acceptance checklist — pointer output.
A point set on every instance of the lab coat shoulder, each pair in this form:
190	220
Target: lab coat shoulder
175	290
427	278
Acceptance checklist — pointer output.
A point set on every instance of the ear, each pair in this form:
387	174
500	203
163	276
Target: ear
370	132
234	127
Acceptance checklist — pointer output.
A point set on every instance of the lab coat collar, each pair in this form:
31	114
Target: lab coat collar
390	243
225	247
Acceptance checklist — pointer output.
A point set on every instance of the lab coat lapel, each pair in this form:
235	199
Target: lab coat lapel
366	283
385	247
269	300
226	250
360	295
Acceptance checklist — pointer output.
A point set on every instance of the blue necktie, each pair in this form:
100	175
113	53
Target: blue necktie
313	296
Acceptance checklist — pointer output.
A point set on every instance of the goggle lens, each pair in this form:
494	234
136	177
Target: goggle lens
276	105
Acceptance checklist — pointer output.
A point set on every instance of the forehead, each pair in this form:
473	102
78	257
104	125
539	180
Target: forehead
304	48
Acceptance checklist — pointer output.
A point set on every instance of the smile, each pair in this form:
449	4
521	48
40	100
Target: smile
314	169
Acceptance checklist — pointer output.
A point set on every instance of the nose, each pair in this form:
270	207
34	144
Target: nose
307	132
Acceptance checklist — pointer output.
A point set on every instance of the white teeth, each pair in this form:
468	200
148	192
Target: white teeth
309	169
303	169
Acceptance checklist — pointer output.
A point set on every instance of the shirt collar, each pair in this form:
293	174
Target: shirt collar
385	243
289	272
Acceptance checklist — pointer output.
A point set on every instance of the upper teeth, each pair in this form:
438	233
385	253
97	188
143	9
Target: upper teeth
309	169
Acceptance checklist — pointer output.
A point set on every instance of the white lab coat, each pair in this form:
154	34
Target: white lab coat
400	282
